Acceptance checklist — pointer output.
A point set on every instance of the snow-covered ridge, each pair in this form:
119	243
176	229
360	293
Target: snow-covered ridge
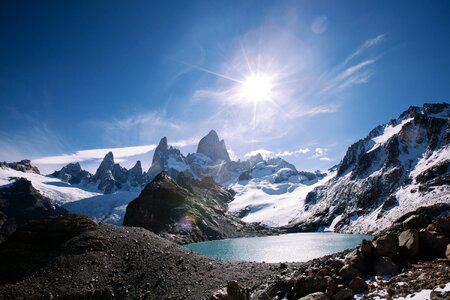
79	198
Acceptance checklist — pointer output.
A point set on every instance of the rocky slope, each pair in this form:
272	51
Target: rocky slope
20	204
397	168
187	210
71	257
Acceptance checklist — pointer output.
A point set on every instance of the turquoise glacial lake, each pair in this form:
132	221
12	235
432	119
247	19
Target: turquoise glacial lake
281	248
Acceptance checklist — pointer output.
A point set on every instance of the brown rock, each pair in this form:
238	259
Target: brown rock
366	247
305	285
432	245
232	292
409	243
343	294
348	272
331	286
442	225
337	264
360	261
383	265
315	296
416	222
358	285
447	251
386	245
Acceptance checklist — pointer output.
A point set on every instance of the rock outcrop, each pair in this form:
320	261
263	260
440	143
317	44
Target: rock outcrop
22	166
212	147
20	204
186	210
73	174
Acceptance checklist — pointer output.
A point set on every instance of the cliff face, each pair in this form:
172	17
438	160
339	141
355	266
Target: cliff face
21	204
398	167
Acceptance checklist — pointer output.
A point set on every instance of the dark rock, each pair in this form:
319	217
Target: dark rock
384	265
212	147
360	261
442	225
348	272
358	285
343	294
416	222
305	285
409	243
73	174
386	245
21	166
366	247
432	245
315	296
104	174
21	204
331	286
337	263
31	246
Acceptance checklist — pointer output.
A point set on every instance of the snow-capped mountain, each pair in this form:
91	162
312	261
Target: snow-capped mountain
398	167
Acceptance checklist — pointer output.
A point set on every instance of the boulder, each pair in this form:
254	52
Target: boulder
409	243
315	296
331	286
447	251
432	245
233	291
384	265
360	261
305	285
416	222
348	272
442	225
358	285
386	245
366	247
343	294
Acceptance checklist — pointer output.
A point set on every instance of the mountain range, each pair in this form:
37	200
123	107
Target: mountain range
398	167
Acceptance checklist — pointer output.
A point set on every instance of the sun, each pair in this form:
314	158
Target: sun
257	88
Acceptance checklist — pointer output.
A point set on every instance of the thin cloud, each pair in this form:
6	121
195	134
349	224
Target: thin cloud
86	155
264	153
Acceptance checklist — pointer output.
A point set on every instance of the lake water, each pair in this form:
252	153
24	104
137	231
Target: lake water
280	248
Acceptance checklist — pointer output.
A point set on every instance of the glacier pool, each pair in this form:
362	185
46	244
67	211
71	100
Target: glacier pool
280	248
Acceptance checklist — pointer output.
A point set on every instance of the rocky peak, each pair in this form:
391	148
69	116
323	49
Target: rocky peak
21	166
73	174
160	150
104	175
211	146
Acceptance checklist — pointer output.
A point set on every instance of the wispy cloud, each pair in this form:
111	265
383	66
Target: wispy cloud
348	74
92	154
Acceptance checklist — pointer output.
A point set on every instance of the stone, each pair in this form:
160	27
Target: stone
348	272
331	286
233	291
337	264
432	245
360	261
442	225
315	296
416	222
343	294
366	247
305	285
384	265
409	243
358	285
447	252
386	245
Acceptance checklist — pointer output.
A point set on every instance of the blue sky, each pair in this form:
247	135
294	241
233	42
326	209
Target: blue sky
95	75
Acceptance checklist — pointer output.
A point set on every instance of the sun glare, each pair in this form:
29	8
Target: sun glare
257	88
